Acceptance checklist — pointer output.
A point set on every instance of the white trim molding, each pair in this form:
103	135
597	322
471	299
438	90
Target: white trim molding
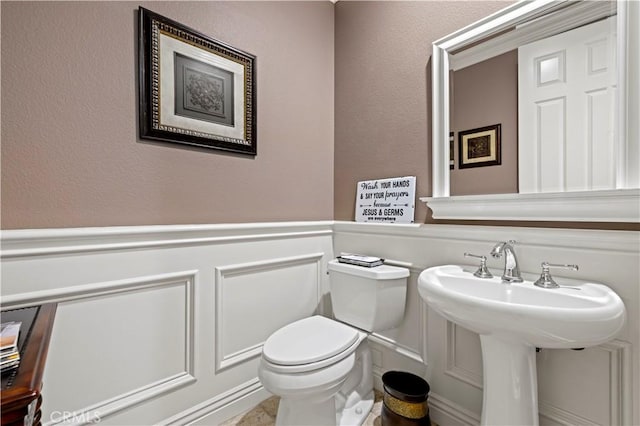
95	413
248	394
621	205
224	360
396	347
44	242
446	412
555	22
620	391
102	409
550	238
620	373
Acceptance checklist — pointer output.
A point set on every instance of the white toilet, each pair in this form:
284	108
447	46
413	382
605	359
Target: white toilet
321	368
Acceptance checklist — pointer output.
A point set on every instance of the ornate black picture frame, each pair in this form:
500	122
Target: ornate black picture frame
194	90
479	147
452	152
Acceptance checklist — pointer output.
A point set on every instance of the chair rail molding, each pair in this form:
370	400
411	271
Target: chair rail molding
44	242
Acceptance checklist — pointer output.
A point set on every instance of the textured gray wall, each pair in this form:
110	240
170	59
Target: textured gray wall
71	155
383	108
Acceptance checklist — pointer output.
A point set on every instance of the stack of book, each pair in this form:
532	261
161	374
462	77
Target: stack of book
360	260
9	354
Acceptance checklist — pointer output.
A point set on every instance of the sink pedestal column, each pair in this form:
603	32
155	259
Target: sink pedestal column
510	382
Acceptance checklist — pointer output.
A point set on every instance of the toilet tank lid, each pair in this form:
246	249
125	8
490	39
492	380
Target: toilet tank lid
382	272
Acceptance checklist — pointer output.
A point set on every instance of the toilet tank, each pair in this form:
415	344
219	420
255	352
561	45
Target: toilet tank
372	299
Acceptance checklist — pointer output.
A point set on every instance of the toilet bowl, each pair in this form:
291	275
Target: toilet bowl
308	373
321	368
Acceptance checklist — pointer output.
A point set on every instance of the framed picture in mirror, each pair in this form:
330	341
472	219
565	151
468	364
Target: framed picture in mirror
452	152
479	147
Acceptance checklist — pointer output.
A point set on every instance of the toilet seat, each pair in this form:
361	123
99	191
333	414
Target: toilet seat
309	344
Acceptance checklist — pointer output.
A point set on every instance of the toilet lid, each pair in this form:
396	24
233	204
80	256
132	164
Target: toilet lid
309	340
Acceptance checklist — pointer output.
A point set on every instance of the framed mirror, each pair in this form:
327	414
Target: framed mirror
515	28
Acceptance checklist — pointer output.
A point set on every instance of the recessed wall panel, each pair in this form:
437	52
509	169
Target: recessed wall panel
550	69
551	132
253	300
404	335
602	140
562	372
597	56
125	342
464	355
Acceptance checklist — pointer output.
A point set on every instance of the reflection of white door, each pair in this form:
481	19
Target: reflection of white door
566	114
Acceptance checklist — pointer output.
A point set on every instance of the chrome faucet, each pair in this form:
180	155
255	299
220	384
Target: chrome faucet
511	272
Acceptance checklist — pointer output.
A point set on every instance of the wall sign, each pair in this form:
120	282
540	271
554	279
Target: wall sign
386	200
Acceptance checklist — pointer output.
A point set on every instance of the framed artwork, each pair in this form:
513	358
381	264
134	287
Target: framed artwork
479	147
452	152
194	90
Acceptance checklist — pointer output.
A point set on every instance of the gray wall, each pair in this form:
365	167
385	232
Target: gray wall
71	156
485	94
382	110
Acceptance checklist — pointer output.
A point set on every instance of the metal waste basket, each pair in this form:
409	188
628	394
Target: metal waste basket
405	400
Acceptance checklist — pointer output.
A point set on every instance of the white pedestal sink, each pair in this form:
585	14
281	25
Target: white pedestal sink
512	320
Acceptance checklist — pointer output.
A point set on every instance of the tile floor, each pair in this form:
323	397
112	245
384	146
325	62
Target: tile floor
264	414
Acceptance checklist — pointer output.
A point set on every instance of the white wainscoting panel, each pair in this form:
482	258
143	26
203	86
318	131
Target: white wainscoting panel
142	330
599	385
602	371
163	324
289	288
403	347
220	408
447	412
463	355
402	339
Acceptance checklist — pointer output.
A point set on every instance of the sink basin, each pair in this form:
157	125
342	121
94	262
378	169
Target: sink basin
512	320
576	316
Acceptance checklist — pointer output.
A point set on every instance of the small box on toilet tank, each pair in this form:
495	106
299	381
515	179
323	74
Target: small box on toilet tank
372	299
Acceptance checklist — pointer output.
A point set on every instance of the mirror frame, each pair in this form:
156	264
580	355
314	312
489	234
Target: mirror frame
617	205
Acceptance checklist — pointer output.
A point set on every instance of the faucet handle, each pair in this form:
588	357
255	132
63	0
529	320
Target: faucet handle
546	280
482	271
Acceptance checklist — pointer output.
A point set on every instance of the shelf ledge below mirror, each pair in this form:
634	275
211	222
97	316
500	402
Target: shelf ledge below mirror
620	205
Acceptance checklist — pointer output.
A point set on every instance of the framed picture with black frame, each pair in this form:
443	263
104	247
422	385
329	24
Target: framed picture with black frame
479	147
452	152
194	90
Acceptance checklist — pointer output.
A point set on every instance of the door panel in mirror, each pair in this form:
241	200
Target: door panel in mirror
566	111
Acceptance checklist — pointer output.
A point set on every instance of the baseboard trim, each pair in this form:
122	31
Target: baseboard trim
446	412
97	412
225	406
